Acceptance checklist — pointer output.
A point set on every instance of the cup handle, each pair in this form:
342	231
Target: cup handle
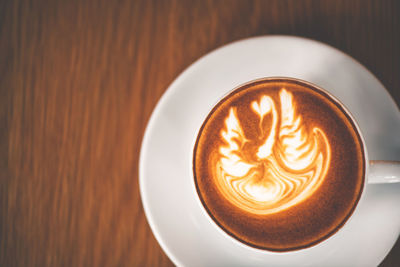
382	172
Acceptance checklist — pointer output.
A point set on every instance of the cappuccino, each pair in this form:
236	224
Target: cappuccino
279	164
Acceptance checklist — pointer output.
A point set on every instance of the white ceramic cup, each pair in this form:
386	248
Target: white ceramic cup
376	172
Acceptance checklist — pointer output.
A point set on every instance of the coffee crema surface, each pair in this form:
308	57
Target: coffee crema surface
279	165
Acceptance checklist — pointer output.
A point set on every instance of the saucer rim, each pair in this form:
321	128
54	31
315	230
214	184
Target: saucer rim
174	86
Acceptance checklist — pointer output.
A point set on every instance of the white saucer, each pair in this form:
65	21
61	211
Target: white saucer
170	202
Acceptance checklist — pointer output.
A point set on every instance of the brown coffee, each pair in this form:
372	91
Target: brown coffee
279	165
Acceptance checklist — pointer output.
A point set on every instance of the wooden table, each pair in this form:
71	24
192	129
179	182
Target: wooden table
78	82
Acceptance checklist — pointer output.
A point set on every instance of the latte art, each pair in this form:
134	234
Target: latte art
279	165
288	166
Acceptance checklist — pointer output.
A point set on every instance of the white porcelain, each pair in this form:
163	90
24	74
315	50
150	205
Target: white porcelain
384	172
186	233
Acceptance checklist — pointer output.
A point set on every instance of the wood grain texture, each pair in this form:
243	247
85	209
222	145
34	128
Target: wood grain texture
78	82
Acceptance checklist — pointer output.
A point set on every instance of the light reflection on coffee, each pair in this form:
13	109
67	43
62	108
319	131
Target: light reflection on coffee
279	165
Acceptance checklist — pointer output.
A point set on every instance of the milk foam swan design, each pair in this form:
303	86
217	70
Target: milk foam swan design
288	166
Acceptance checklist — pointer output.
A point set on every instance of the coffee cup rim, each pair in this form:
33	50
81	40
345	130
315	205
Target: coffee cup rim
351	118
